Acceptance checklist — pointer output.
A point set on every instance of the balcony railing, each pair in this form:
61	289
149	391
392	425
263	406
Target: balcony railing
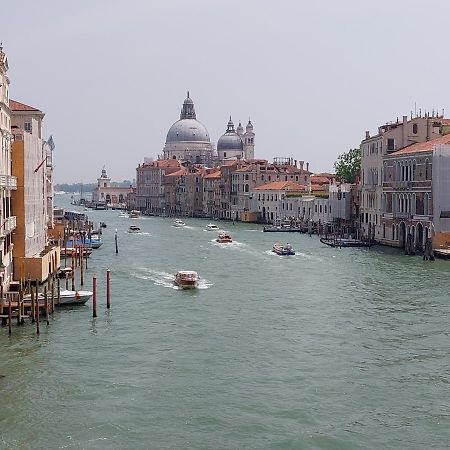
7	226
8	182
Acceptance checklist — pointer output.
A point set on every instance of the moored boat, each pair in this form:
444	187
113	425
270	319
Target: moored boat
178	223
224	238
69	251
346	242
74	297
212	227
134	229
283	249
187	279
94	242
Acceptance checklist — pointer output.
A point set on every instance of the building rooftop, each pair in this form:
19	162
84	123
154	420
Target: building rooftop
422	147
281	186
17	106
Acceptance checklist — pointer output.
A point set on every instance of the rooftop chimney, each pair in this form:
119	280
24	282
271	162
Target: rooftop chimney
367	134
301	165
307	166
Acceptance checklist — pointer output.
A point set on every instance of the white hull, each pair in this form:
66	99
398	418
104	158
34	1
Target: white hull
74	297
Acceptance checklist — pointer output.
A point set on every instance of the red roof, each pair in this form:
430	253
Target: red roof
17	106
319	180
422	147
281	186
178	173
213	176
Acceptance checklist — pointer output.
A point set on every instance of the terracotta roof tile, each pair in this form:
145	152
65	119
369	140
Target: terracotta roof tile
422	147
212	176
178	173
319	179
17	106
281	186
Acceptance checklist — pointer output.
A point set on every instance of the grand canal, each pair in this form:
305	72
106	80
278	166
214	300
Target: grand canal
329	349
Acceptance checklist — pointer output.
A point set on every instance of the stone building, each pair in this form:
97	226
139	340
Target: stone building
415	195
105	193
389	138
8	182
235	144
34	256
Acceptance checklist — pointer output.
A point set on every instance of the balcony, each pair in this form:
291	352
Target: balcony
8	182
7	226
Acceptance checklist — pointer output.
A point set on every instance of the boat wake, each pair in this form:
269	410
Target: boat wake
166	279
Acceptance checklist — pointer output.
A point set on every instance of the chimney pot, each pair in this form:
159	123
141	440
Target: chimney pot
367	134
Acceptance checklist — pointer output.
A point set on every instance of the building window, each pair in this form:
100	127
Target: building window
390	144
415	128
27	127
224	154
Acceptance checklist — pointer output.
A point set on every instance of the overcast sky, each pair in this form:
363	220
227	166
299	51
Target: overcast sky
111	76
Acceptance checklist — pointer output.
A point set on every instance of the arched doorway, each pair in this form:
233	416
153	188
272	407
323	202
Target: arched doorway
402	235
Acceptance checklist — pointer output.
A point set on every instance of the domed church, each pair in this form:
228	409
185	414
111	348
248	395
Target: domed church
235	144
188	139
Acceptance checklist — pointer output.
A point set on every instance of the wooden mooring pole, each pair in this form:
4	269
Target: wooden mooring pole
46	305
9	316
94	296
108	289
37	307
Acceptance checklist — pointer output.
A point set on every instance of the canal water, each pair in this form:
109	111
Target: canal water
328	349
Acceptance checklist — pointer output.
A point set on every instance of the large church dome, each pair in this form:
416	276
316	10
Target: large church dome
230	140
188	128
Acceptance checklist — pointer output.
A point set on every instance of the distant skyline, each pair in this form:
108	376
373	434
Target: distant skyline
111	76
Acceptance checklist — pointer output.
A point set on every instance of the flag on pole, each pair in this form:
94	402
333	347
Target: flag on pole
51	143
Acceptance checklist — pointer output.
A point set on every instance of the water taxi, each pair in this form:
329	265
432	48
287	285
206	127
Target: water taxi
211	227
134	229
69	251
187	279
283	249
134	214
224	238
178	223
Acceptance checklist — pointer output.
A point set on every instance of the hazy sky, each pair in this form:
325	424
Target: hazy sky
313	76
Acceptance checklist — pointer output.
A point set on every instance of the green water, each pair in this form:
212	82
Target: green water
329	349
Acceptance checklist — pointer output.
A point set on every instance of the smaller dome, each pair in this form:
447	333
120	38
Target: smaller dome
188	101
230	140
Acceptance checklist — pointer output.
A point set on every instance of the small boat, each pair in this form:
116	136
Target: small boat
178	223
73	297
65	272
442	253
134	214
346	242
123	214
283	249
69	251
211	227
187	279
94	242
224	238
134	229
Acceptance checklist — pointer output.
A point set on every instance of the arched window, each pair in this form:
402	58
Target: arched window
246	188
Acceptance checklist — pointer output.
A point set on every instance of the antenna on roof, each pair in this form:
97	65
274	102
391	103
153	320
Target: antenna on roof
1	46
415	109
188	93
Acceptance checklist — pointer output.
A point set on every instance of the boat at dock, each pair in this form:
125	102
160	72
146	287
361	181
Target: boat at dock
187	279
442	253
123	214
224	238
212	227
94	242
73	297
285	226
345	242
69	251
283	249
178	223
134	229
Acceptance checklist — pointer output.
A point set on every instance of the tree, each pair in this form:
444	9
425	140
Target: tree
348	166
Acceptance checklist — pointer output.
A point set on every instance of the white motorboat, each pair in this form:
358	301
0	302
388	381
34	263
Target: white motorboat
178	223
134	214
212	227
74	297
123	214
187	279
